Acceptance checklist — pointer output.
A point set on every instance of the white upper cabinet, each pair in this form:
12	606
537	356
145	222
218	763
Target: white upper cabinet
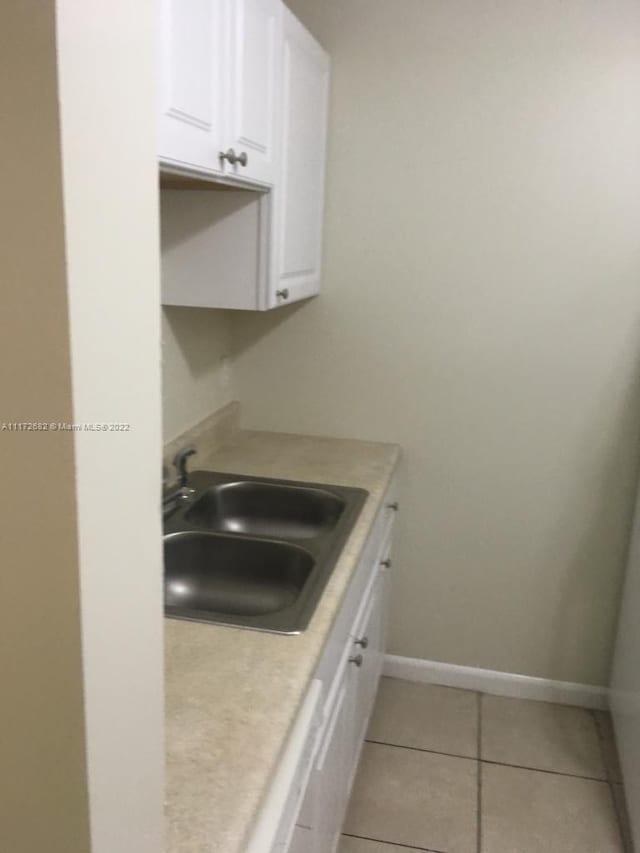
220	70
244	92
255	42
299	191
191	84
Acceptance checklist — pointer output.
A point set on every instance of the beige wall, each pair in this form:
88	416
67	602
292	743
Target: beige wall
197	376
43	800
196	366
481	306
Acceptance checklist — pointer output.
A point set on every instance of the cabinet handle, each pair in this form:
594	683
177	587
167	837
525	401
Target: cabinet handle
386	563
394	506
284	293
363	643
356	659
231	157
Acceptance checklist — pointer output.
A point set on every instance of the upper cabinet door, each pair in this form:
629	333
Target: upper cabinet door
299	190
191	84
255	41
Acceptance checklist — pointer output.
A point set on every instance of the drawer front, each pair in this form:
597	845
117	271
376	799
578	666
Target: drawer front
383	525
371	634
378	566
351	610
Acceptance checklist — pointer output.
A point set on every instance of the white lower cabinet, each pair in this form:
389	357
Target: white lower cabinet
323	809
348	672
328	791
302	841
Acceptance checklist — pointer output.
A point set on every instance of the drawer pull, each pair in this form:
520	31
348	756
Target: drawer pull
363	642
356	659
386	563
394	506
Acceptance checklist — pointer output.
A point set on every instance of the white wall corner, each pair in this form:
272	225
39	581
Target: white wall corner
107	81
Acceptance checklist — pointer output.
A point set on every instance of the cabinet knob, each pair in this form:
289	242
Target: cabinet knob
356	659
386	563
394	506
363	642
284	293
231	157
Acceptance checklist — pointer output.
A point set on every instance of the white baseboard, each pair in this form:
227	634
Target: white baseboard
498	683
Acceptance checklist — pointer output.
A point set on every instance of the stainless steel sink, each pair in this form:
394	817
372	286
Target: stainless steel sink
206	572
267	509
254	552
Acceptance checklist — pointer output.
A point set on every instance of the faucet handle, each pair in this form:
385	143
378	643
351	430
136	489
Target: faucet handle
180	461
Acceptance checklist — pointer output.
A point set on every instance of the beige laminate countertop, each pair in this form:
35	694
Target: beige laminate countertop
233	694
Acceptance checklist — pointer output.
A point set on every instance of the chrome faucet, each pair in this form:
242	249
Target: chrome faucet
180	462
179	493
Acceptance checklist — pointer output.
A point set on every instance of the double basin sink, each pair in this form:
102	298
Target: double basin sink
254	552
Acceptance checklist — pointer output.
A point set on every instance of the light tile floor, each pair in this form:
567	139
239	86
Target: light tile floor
453	771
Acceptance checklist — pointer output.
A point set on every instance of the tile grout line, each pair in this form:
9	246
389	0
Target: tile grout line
548	772
479	765
489	761
393	843
421	749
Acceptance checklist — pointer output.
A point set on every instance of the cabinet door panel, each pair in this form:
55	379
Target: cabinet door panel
299	194
302	841
333	766
256	61
347	709
191	63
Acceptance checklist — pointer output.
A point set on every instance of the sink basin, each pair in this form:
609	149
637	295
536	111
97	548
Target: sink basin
212	574
253	552
264	509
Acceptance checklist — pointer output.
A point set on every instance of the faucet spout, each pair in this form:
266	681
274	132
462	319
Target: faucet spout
180	461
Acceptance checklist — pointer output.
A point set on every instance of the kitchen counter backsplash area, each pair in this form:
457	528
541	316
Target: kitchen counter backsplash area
211	433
